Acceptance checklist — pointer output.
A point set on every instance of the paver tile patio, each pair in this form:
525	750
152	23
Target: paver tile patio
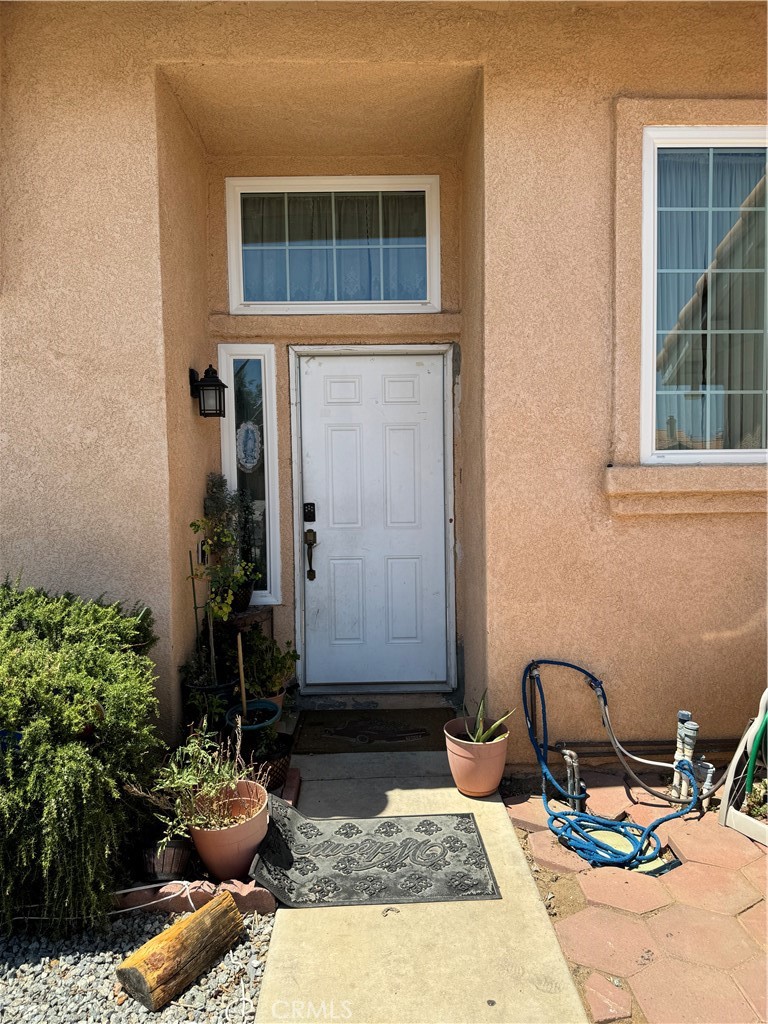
528	812
608	794
637	794
719	889
701	937
625	890
608	941
752	979
606	1001
672	992
757	873
708	842
549	853
754	920
645	813
690	945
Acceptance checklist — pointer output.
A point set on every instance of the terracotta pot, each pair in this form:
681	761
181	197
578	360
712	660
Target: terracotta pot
228	852
476	768
278	698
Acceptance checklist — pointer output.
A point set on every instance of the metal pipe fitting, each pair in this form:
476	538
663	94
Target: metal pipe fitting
568	758
579	788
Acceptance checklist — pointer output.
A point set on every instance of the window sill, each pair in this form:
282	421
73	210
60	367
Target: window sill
440	326
685	490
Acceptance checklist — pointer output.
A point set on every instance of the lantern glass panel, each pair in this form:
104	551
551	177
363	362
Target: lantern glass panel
211	400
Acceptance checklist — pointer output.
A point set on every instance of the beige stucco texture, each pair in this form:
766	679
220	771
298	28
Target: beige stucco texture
120	123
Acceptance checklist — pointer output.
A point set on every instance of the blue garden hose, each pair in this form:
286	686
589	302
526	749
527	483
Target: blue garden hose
575	829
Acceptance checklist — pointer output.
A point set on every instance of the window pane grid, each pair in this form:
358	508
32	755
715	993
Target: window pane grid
710	249
381	246
333	241
363	265
713	271
706	209
287	247
765	335
711	369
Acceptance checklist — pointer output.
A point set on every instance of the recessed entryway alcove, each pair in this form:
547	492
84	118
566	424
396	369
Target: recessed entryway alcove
217	121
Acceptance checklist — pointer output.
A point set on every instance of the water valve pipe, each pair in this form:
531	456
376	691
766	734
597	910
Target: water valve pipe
690	733
682	718
578	830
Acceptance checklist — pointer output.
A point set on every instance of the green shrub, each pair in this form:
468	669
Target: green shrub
76	682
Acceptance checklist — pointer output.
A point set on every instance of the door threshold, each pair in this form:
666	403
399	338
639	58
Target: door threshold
368	701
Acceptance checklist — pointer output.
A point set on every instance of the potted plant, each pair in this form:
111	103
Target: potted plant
227	526
477	751
205	695
271	667
271	754
213	797
251	719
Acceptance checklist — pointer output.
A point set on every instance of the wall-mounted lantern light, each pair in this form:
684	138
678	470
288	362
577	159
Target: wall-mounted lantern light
209	391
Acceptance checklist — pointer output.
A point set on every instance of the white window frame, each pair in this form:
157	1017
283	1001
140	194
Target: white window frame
686	137
266	353
235	187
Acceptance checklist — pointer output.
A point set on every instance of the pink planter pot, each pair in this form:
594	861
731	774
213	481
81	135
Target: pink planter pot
228	852
476	768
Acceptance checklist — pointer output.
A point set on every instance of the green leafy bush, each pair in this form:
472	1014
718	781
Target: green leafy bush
77	683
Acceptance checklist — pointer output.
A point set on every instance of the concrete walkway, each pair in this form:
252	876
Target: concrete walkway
424	963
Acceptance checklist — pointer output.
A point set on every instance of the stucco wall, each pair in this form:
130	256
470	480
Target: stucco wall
84	496
667	608
470	421
193	442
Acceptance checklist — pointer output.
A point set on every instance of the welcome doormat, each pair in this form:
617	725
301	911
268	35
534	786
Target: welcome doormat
375	731
333	862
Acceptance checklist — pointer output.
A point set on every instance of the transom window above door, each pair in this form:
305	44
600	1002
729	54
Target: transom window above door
706	364
334	245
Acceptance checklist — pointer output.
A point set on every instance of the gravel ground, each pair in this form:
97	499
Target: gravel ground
72	981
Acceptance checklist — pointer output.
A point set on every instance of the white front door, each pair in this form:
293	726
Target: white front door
373	466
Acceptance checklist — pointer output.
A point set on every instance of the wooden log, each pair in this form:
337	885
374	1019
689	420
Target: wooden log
167	964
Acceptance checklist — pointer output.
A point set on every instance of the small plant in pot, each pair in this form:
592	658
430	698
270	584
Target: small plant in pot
252	719
477	751
271	667
214	798
156	859
229	546
271	753
205	695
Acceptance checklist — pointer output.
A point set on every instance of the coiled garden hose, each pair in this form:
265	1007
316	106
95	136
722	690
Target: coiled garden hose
576	829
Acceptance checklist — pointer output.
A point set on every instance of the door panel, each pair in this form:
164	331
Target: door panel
373	464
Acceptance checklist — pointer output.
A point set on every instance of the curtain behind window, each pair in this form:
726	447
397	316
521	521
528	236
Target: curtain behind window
711	274
344	247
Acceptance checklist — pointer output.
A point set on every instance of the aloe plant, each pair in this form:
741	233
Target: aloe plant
476	733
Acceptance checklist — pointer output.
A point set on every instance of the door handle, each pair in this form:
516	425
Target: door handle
310	539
